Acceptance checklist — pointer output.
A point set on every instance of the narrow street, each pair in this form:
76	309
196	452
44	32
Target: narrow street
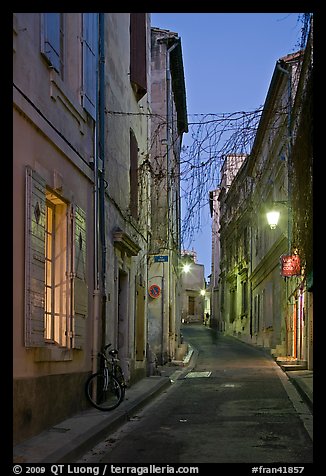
232	407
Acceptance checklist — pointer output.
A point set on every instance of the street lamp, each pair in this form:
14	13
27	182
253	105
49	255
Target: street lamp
186	268
274	215
272	218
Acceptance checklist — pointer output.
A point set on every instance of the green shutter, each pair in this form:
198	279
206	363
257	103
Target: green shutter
34	259
79	284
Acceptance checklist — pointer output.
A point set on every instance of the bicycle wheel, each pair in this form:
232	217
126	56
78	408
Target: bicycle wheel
103	393
121	379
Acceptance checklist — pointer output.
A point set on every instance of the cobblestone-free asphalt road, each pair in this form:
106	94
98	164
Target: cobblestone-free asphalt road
232	407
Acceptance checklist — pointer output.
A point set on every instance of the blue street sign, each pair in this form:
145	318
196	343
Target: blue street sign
161	259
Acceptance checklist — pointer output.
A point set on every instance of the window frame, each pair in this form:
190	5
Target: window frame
71	250
60	288
49	287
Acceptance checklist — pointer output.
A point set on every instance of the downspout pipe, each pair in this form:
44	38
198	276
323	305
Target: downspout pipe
102	174
289	147
168	122
287	72
99	235
96	292
169	125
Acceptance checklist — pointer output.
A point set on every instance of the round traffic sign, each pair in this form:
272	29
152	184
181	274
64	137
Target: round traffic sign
154	291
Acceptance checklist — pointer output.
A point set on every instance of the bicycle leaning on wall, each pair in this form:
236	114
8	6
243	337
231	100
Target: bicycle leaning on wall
105	389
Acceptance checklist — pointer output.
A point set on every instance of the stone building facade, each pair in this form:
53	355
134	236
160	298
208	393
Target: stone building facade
252	296
169	123
83	204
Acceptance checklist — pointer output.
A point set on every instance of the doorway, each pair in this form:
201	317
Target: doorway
123	317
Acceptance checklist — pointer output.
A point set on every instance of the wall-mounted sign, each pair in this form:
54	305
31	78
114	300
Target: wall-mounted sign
154	291
161	258
290	265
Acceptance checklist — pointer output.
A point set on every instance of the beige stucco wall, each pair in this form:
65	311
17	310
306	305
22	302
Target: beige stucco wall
31	148
53	134
164	314
37	122
125	113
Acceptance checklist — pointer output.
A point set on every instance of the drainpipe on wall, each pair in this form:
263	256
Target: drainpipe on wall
288	308
99	234
250	284
96	292
102	175
289	140
169	124
163	317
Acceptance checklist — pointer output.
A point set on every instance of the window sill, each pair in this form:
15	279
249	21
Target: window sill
52	354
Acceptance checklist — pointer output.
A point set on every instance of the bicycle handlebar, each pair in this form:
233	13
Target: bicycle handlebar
112	351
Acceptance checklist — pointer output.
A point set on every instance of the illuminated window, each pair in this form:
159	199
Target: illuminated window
49	272
55	308
56	290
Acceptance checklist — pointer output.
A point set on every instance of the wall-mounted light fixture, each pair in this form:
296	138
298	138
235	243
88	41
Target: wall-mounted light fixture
273	216
186	268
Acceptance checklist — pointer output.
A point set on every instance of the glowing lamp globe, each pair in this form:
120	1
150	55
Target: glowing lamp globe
186	268
272	218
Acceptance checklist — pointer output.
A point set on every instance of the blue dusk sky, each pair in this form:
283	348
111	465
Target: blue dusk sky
229	59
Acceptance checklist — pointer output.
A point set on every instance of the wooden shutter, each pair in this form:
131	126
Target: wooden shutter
34	259
133	175
79	282
267	305
52	48
138	67
140	323
90	55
